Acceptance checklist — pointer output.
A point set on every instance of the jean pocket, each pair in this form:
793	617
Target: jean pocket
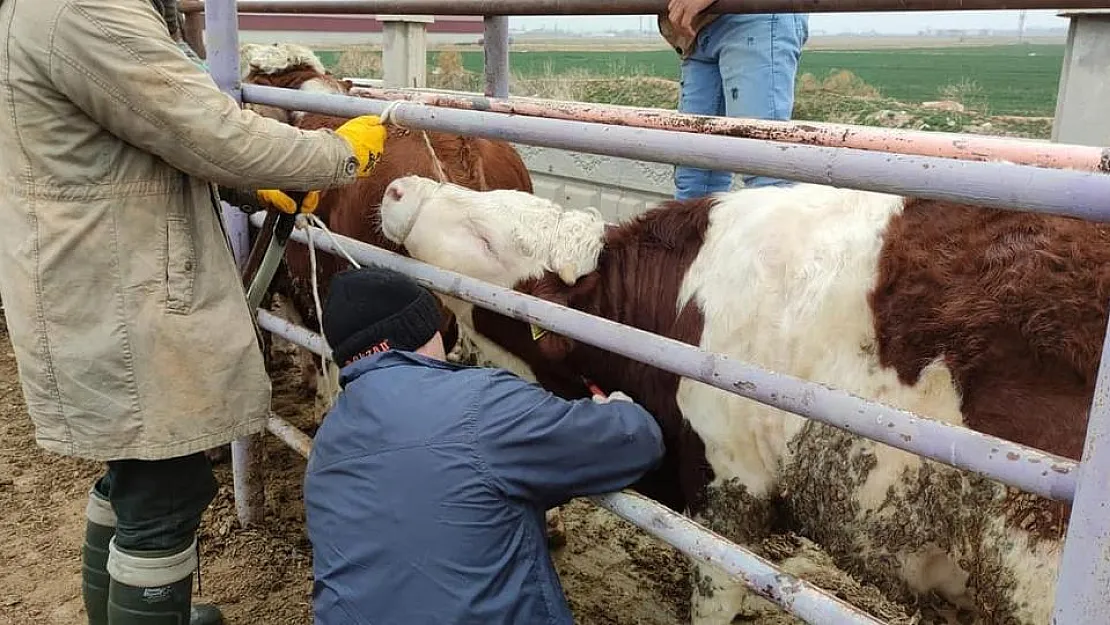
180	264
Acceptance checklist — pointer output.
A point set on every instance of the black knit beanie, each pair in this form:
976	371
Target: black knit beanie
374	309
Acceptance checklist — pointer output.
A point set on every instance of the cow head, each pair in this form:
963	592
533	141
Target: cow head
288	66
503	237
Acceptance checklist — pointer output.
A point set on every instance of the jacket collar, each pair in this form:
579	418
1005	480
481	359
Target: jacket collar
388	360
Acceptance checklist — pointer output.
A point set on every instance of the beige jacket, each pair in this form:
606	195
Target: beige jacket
123	302
683	45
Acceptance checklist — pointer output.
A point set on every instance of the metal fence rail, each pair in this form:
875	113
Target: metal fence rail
915	142
1000	185
1020	466
630	7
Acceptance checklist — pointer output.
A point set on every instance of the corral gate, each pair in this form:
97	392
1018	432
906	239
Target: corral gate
1083	190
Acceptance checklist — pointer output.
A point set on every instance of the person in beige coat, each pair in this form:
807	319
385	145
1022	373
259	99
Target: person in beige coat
122	299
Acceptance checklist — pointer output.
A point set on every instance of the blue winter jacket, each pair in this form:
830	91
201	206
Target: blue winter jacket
427	485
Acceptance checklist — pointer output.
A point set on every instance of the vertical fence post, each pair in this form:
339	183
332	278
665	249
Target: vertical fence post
221	23
405	50
1083	584
495	47
1084	77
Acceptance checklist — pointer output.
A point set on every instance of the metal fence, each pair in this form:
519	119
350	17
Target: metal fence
1040	184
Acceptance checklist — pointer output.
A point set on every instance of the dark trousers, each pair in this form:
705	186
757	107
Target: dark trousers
158	503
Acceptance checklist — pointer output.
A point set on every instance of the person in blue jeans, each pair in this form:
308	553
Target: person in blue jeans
427	485
732	66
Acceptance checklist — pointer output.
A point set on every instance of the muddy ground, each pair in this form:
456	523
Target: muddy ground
612	573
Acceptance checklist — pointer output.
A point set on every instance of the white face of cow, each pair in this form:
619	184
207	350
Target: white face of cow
500	236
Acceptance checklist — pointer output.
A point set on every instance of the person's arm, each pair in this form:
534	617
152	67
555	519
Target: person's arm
542	448
116	62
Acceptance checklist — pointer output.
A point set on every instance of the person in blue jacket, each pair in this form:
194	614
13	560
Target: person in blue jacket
428	482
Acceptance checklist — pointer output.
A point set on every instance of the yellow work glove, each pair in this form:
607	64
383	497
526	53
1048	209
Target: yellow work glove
366	134
272	198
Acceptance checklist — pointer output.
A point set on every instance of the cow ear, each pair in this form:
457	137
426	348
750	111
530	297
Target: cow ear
552	346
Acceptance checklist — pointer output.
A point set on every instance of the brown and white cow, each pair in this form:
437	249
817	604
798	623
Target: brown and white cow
352	211
986	318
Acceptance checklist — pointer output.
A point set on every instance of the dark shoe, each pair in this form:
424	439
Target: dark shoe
159	605
156	603
94	572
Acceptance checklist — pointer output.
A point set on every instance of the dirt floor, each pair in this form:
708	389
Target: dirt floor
612	573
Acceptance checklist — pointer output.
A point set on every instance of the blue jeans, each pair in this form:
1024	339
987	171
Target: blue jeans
743	66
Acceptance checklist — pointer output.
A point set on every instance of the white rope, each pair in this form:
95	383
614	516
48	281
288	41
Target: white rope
388	116
308	221
325	371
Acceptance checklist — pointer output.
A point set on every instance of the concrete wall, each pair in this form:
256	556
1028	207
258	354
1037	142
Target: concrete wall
619	188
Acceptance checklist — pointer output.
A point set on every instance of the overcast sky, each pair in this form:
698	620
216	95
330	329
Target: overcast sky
907	22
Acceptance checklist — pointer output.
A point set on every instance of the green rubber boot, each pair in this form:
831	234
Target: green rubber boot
168	604
155	588
94	572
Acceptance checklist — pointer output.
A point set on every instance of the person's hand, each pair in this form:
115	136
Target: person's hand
279	200
614	396
683	12
366	134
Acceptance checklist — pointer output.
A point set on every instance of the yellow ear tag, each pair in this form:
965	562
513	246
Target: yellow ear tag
537	332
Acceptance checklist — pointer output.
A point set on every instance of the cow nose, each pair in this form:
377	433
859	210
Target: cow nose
393	192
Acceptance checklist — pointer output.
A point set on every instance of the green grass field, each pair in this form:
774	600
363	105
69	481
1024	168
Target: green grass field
1007	79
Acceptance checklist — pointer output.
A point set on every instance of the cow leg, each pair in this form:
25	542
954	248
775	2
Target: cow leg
733	512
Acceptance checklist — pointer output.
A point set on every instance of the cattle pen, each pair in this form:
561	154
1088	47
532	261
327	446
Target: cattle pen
1055	178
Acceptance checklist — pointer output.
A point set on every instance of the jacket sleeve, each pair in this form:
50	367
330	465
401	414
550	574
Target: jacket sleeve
542	448
117	63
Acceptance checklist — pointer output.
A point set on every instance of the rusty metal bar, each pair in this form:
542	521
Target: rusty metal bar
937	144
796	596
1020	466
999	185
633	7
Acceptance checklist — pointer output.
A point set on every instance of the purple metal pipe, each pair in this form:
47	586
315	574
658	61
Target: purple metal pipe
1020	466
1000	185
290	435
496	49
299	335
634	7
221	25
1084	578
796	596
924	143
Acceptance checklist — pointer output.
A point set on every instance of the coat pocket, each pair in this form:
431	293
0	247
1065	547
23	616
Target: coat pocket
181	264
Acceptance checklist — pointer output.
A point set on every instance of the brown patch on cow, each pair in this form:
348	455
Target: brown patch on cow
293	77
637	283
1016	304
